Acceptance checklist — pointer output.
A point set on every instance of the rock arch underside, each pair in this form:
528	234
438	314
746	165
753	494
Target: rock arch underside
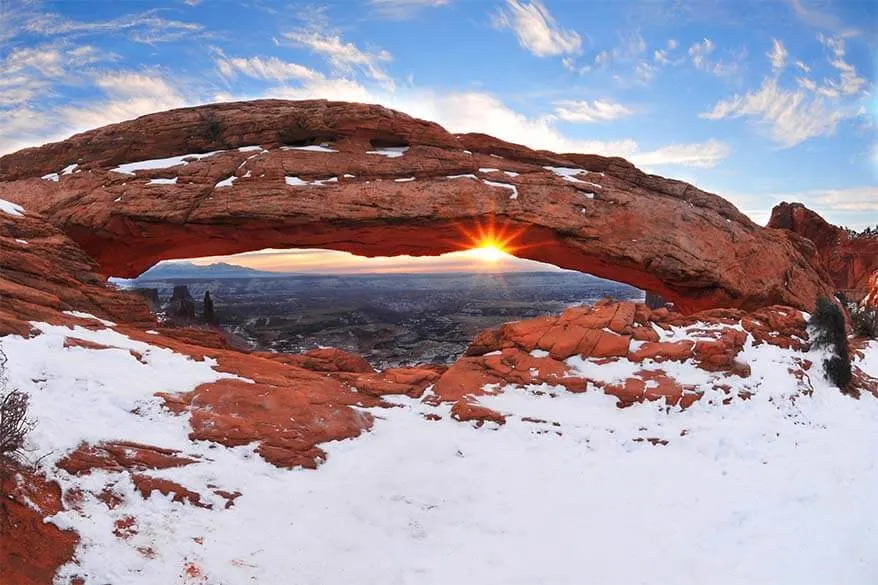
375	182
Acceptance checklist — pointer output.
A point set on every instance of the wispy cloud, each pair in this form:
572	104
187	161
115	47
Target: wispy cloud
777	55
536	29
703	155
701	54
127	95
344	57
146	27
793	115
852	199
403	9
265	68
587	112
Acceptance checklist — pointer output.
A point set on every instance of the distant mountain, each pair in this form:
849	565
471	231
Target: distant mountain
173	270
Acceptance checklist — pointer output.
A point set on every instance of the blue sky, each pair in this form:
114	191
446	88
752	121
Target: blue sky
758	101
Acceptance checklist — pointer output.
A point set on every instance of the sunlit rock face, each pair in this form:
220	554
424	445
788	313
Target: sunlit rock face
850	261
235	177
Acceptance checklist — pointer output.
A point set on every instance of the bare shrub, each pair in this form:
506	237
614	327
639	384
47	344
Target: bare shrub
14	423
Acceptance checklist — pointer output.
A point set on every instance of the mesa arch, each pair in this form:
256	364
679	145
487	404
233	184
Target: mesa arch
373	182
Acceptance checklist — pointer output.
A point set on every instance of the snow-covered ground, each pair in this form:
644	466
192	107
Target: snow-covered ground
780	488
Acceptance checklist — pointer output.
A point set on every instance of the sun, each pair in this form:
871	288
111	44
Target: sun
489	252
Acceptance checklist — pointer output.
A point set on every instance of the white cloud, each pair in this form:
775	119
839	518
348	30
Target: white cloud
808	111
270	68
778	55
129	95
596	111
145	27
701	155
662	56
792	116
403	9
536	29
344	57
849	82
851	199
46	61
700	54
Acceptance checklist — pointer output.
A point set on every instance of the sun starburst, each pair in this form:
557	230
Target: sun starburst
489	242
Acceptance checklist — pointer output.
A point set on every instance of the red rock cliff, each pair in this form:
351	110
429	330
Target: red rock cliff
850	262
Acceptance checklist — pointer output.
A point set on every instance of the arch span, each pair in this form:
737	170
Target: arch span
368	180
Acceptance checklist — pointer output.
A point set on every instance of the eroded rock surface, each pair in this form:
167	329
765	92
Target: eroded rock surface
852	263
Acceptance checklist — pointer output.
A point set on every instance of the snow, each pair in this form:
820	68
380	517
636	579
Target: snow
467	176
489	170
227	182
297	182
774	489
160	163
68	170
254	148
84	315
163	181
310	148
22	241
11	208
511	173
569	174
117	199
404	180
505	186
390	151
869	362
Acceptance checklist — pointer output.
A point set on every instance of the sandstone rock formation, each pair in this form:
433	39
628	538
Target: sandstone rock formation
852	263
368	180
44	274
181	306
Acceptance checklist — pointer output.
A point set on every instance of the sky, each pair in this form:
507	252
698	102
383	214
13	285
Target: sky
758	101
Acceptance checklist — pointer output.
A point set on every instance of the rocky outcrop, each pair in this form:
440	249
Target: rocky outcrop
852	263
872	295
43	274
372	181
181	306
31	549
536	351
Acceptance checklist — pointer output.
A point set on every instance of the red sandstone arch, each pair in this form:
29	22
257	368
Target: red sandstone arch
610	219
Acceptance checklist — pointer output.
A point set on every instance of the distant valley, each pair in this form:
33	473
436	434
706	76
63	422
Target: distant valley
393	319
